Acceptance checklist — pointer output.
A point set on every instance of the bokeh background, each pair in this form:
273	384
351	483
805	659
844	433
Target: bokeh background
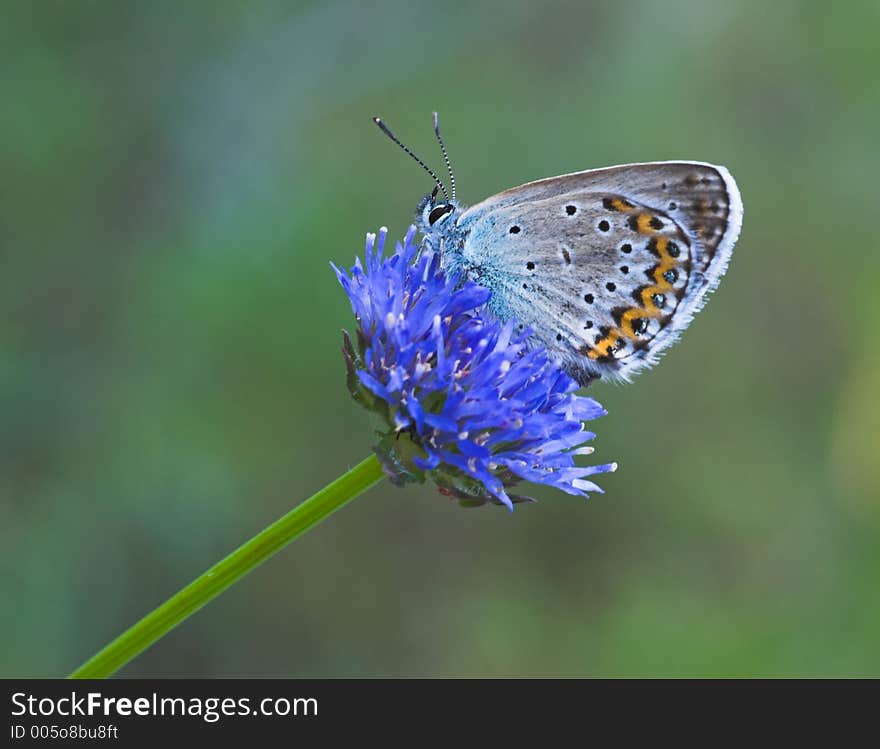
176	179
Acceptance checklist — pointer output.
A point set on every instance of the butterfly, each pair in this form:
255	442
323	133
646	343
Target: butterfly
606	267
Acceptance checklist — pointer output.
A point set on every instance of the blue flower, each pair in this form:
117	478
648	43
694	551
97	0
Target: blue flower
466	400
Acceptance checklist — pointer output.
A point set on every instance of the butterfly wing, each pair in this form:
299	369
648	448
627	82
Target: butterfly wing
607	266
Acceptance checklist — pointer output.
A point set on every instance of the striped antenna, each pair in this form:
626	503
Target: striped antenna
384	128
445	155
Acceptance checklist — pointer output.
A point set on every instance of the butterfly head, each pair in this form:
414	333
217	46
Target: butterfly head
433	215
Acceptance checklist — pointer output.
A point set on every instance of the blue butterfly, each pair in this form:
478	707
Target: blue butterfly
606	266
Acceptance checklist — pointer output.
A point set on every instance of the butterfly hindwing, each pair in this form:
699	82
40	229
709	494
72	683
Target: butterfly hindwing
606	266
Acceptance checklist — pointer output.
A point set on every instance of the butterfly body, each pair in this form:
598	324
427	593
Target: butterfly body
606	266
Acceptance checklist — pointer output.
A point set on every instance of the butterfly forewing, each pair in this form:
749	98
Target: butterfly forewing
606	266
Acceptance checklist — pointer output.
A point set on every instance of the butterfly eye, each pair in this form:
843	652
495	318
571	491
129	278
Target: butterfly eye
439	212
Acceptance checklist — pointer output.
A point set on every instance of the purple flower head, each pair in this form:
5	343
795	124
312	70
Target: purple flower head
465	399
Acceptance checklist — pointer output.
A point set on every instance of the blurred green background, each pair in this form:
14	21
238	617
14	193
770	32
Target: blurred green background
176	179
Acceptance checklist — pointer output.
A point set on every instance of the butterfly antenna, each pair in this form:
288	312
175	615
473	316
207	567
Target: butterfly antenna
384	128
445	155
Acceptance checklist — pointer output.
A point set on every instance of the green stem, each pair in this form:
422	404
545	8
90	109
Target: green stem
212	583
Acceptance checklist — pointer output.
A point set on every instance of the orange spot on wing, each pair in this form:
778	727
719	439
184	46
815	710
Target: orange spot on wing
650	309
605	347
644	223
667	262
627	319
